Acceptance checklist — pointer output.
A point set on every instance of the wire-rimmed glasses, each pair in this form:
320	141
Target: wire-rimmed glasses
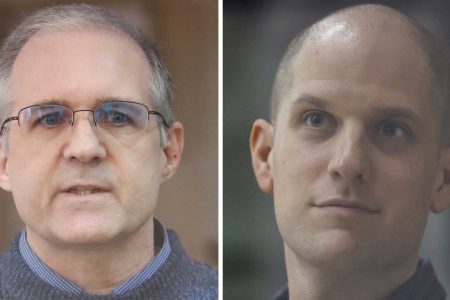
118	118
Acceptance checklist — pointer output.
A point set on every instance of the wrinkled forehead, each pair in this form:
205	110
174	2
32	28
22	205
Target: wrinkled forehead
79	63
95	38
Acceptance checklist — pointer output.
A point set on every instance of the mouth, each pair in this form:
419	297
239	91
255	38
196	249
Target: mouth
84	190
346	205
80	191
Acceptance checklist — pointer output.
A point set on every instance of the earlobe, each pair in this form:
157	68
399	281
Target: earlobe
261	150
4	176
441	193
173	150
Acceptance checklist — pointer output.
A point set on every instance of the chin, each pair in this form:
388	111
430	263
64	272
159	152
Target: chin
86	233
338	250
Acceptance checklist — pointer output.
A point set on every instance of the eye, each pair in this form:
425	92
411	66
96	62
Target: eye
318	120
118	118
392	129
51	120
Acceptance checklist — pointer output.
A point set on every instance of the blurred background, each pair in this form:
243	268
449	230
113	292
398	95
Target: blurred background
186	32
255	36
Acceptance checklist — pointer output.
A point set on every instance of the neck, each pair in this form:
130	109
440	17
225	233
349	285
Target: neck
310	282
98	268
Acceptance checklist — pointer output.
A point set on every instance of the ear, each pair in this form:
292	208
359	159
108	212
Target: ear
4	176
261	139
173	150
441	192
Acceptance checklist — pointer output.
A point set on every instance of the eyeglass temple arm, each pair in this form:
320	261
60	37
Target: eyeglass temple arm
6	121
152	112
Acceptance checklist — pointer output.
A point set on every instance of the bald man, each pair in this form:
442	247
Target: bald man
356	155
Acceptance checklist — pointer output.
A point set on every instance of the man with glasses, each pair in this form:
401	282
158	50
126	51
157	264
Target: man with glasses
357	153
87	137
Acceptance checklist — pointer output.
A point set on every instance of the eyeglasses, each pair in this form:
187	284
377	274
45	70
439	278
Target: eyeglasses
118	118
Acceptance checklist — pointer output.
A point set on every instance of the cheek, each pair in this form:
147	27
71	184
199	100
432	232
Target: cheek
297	172
297	167
141	175
28	160
404	190
30	173
409	177
407	188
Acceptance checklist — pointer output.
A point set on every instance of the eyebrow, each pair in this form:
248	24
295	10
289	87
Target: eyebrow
52	101
112	98
382	111
312	100
398	112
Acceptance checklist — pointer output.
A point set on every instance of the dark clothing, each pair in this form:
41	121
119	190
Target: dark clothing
423	285
178	278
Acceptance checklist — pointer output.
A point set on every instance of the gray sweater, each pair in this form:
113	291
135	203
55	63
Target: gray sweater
178	278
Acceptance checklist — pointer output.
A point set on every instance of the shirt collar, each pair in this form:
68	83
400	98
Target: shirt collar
54	279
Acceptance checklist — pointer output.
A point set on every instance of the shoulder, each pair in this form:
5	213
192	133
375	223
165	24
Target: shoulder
9	264
2	263
4	269
282	294
8	259
203	274
202	281
197	278
423	284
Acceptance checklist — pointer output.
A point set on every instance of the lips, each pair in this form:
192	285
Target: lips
347	204
84	190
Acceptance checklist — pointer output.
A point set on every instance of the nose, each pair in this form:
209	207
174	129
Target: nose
84	145
349	161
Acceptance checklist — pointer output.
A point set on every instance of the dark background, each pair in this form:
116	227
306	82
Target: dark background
255	35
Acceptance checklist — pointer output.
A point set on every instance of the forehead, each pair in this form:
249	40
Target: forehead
81	64
361	67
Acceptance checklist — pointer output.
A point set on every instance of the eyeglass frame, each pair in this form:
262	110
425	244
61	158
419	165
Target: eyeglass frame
150	112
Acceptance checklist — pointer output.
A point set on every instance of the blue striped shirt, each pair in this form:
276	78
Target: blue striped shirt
54	279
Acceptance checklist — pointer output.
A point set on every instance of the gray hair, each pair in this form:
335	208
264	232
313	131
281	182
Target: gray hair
77	17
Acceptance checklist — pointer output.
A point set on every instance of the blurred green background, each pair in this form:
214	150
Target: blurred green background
256	33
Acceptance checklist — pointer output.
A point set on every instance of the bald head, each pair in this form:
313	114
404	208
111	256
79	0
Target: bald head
369	31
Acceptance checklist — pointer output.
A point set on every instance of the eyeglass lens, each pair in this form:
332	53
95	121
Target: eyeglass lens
116	118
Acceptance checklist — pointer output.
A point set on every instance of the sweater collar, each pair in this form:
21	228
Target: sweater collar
52	278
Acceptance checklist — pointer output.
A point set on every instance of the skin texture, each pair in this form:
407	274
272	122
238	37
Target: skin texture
358	127
82	237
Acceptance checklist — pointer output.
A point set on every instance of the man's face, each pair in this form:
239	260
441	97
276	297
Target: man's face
356	152
120	176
